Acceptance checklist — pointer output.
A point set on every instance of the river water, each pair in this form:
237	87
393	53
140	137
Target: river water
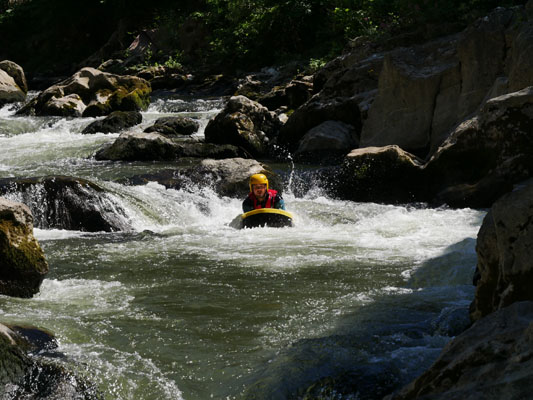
359	297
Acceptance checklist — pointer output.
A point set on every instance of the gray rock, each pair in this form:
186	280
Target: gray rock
22	376
330	139
505	253
485	155
152	146
174	126
317	110
243	123
230	177
379	174
22	262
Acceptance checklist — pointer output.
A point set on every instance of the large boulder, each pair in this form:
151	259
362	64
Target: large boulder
16	72
10	92
244	123
61	202
316	111
379	174
328	141
96	93
228	177
22	262
491	361
505	253
153	146
485	155
114	122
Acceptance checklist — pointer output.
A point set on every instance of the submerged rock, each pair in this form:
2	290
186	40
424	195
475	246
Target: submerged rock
61	202
25	376
22	262
96	93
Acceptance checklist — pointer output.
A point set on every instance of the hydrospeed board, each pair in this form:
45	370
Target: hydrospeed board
271	217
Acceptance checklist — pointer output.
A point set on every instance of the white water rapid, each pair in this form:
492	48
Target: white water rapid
186	307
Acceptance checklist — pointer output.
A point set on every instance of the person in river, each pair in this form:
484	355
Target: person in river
261	196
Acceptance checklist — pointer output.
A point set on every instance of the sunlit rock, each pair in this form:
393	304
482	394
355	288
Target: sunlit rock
244	123
22	262
10	92
101	93
16	72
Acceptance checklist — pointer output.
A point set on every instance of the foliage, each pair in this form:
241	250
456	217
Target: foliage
58	34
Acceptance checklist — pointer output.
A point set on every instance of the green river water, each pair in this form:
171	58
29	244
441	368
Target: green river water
186	307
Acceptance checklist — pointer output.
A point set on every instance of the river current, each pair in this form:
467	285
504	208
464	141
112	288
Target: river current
359	296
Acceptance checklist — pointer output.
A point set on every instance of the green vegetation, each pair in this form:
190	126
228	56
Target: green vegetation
55	36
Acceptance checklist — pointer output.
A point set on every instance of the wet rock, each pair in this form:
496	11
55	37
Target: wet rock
61	202
101	93
174	126
485	155
228	177
25	376
16	72
329	141
505	253
379	174
243	123
115	122
22	262
491	360
152	146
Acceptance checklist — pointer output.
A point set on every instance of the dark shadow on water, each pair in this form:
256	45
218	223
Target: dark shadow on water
383	345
